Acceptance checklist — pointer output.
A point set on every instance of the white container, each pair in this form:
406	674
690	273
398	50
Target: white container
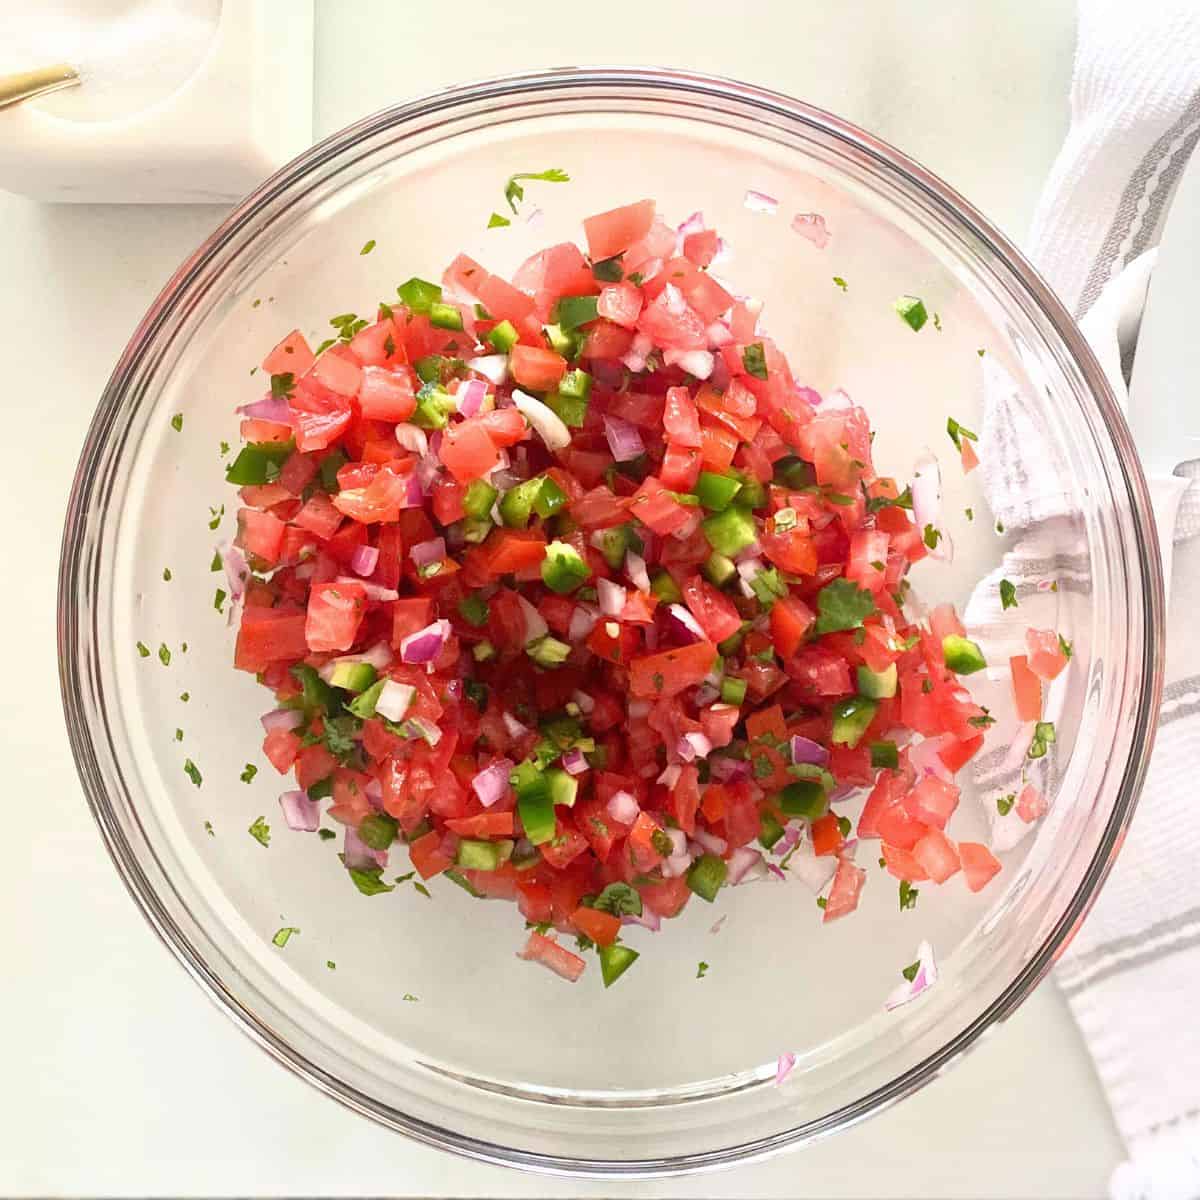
182	101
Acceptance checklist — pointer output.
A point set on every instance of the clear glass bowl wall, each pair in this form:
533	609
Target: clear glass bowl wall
663	1073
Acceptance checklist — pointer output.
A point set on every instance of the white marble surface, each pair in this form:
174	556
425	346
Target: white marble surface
119	1077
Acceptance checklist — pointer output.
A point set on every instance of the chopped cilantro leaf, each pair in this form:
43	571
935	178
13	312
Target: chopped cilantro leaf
840	282
970	513
822	902
411	998
164	655
368	246
248	772
326	835
1066	647
911	311
423	890
192	772
701	970
331	964
514	193
282	935
143	650
166	574
931	537
208	828
260	831
957	432
224	449
177	422
842	605
910	972
368	881
1008	594
219	598
754	359
497	221
283	384
179	735
185	696
908	895
216	564
1004	804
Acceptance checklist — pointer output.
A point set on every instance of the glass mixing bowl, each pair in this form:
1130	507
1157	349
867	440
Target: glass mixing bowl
495	1059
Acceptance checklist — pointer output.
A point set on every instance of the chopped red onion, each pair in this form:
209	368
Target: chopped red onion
412	438
535	623
493	367
469	397
793	831
710	842
624	440
715	927
635	568
514	728
583	621
364	560
426	644
623	807
694	224
545	421
586	704
745	865
612	597
236	569
269	408
700	745
760	202
647	920
926	491
719	334
813	870
685	750
805	750
491	783
639	349
432	551
669	775
699	363
358	856
925	978
426	729
394	700
372	590
729	770
784	1067
300	812
683	625
925	757
777	872
282	718
574	761
675	865
811	227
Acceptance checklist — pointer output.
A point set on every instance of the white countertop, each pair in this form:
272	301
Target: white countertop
121	1077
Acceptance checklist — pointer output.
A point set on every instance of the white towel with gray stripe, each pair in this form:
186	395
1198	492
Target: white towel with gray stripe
1132	974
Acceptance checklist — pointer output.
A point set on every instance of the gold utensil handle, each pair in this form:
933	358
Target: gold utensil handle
26	84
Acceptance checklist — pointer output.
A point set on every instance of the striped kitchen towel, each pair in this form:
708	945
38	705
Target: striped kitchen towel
1132	973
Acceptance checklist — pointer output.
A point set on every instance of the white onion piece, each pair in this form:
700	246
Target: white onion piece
814	871
544	420
583	621
699	363
394	700
926	491
623	807
493	367
925	978
925	757
670	775
635	568
535	623
710	842
612	597
675	865
745	865
413	439
513	727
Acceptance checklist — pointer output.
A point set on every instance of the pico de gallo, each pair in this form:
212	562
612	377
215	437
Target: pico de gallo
567	589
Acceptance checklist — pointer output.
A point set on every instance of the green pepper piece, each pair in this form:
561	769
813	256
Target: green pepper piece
716	492
516	505
885	754
706	875
851	718
363	705
353	676
476	855
769	831
805	798
733	690
258	463
572	311
563	570
534	805
549	498
419	295
503	337
445	316
665	588
878	685
718	569
615	960
962	655
378	830
731	531
479	498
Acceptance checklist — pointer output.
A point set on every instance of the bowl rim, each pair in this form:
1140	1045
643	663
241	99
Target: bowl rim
683	85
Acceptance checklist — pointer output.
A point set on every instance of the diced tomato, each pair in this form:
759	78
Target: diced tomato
844	893
826	835
610	233
536	369
932	802
1027	689
468	452
669	672
601	927
427	855
681	418
550	954
620	303
938	855
701	248
269	635
642	851
387	394
714	611
1031	804
666	898
1046	656
281	746
291	356
791	620
970	460
260	534
335	611
685	798
535	902
903	864
657	508
483	825
669	321
979	864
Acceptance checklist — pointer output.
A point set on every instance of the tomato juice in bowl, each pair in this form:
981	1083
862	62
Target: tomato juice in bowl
427	1021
